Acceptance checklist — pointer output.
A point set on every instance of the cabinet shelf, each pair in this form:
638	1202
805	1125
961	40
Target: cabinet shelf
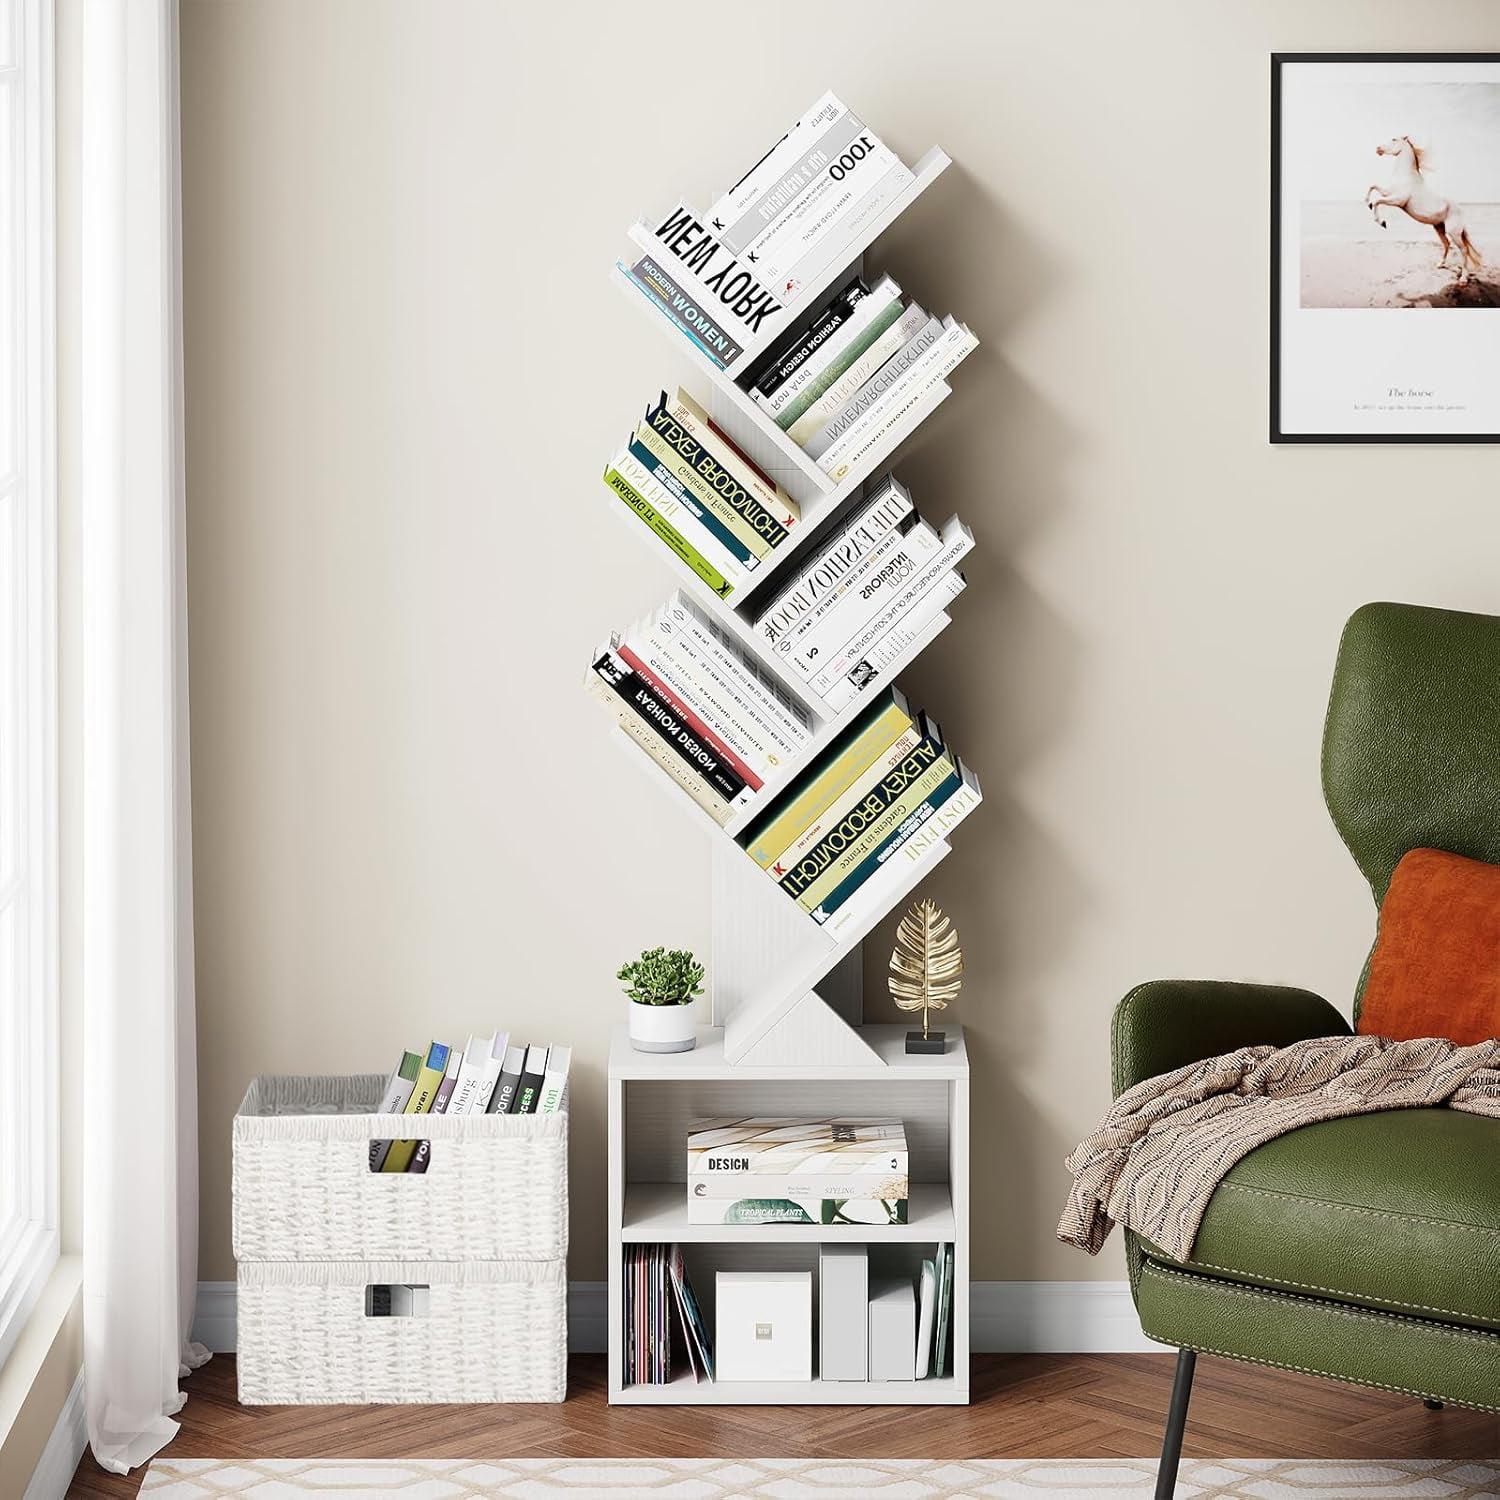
683	1391
656	1213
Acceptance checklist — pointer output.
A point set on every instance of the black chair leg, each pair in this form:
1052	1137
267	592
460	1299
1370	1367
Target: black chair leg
1432	1405
1171	1446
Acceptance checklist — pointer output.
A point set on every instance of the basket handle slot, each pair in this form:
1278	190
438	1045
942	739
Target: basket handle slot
385	1299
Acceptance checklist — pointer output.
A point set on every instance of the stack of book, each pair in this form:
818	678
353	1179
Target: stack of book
884	792
491	1075
729	279
699	705
685	480
656	1287
840	384
776	1170
870	588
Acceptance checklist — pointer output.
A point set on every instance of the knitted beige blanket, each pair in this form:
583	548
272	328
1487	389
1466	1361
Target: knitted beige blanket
1165	1145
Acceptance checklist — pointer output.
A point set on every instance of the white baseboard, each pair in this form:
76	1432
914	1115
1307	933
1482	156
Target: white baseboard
59	1461
1006	1317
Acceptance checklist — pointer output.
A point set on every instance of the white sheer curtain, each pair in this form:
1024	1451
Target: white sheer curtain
140	1204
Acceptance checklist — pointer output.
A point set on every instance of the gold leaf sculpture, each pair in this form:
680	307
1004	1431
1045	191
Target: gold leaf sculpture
927	964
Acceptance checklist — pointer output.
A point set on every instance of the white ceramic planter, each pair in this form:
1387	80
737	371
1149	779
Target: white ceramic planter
663	1028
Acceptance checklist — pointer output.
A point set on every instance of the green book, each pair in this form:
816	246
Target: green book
668	533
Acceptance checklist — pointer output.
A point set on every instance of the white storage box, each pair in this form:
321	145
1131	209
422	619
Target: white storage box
496	1187
494	1331
763	1325
485	1229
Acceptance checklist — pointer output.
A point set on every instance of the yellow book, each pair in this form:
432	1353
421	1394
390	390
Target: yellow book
915	783
398	1158
852	754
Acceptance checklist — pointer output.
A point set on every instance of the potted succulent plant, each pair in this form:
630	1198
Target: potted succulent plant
663	989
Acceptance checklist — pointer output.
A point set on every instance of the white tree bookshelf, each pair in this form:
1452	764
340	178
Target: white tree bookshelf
785	993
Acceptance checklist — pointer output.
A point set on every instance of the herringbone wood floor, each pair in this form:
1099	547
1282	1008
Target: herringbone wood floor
1025	1406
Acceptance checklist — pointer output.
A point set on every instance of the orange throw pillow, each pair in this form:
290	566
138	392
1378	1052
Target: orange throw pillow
1435	970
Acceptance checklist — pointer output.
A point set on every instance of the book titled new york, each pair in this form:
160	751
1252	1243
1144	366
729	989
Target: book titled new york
533	1076
429	1080
398	1089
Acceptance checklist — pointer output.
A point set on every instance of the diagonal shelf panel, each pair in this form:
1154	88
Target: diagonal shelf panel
816	494
838	259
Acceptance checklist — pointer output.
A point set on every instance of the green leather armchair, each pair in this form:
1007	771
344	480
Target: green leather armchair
1363	1249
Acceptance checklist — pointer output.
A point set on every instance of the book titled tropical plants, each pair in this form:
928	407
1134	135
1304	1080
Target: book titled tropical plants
778	1170
490	1075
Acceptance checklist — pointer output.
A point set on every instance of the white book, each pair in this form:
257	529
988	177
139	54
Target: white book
934	364
845	235
732	718
478	1074
733	701
731	663
792	640
846	387
555	1080
683	514
866	311
944	820
883	575
881	512
957	542
883	655
828	211
875	389
775	173
926	1307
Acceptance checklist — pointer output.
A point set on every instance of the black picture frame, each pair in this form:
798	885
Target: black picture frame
1277	434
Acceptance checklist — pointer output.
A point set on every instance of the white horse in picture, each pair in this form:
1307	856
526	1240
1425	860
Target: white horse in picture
1409	191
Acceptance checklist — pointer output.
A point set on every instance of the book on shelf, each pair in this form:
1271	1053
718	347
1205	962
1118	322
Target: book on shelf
478	1073
659	1311
779	1170
943	1314
926	1310
393	1101
700	495
730	279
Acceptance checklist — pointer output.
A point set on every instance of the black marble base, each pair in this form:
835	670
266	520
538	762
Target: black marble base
931	1043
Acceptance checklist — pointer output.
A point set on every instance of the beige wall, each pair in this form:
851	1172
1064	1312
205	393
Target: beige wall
406	367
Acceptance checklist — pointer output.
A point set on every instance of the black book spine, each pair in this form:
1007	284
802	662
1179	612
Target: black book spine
791	352
689	748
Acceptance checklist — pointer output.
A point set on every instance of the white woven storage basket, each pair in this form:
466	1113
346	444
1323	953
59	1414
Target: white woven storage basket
495	1331
496	1187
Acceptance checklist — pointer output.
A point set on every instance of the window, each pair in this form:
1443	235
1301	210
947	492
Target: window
28	669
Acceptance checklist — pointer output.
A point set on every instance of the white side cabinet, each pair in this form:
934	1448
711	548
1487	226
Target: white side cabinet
653	1099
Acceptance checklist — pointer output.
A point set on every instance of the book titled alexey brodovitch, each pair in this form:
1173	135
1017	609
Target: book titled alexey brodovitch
473	1081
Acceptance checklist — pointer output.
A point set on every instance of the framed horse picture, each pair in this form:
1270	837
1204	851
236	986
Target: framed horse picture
1385	247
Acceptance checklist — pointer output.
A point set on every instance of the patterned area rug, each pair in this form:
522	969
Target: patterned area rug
822	1478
